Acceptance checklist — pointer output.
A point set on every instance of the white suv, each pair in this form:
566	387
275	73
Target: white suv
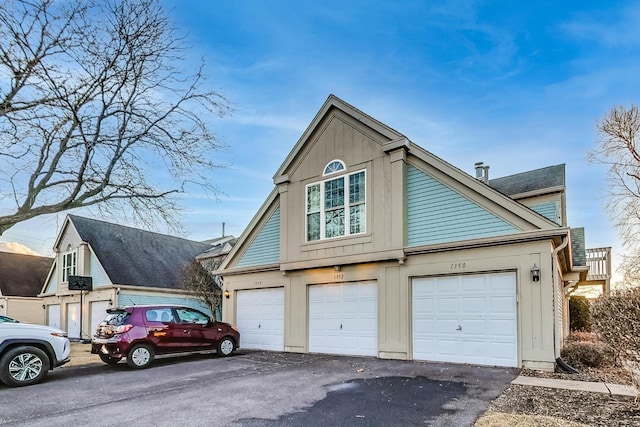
28	351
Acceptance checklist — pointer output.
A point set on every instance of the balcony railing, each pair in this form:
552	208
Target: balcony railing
599	263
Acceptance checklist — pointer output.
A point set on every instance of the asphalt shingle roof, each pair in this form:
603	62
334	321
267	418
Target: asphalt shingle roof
131	256
578	251
23	275
538	179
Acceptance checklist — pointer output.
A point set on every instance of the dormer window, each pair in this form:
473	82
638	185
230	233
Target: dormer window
336	207
334	166
68	265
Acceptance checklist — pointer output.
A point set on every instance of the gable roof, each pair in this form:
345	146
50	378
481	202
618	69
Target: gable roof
331	103
522	217
550	177
131	256
22	275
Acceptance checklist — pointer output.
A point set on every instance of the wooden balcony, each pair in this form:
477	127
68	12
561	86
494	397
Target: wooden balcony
599	263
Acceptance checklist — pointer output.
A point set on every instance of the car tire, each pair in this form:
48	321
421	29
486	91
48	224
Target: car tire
109	360
140	356
24	365
226	346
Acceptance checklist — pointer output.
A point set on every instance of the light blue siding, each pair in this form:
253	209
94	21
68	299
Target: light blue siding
136	299
438	214
547	210
52	286
265	249
97	273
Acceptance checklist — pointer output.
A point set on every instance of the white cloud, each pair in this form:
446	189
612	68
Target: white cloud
17	248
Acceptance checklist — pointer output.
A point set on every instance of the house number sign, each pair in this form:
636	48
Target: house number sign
458	265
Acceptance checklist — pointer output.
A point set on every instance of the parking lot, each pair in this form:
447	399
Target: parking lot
255	388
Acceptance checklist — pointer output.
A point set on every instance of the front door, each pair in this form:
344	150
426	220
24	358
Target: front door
196	330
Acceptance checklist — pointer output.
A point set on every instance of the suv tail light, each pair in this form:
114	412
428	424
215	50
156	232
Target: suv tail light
123	328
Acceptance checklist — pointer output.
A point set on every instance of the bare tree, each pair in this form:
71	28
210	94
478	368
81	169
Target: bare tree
203	286
97	110
619	131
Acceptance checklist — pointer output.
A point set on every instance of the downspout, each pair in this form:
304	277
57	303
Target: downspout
554	257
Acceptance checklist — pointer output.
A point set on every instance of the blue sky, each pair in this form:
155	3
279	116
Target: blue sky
518	85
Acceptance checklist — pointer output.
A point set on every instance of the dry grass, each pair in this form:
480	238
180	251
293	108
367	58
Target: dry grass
511	420
81	355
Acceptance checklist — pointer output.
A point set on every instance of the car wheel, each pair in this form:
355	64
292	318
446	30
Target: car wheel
226	346
24	365
140	356
109	360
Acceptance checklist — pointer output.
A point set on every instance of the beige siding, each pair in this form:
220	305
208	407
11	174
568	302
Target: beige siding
341	137
536	330
28	310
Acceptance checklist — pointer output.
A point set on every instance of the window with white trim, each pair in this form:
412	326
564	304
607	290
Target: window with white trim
68	265
336	207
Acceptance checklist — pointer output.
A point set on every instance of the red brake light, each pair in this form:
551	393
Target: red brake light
123	328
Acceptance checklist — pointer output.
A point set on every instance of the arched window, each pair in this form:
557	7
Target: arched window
336	206
333	167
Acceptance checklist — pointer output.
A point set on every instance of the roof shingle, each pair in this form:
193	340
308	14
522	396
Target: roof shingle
131	256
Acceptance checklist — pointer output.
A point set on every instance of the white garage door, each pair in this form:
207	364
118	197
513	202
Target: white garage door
343	319
260	318
98	313
73	320
53	316
466	319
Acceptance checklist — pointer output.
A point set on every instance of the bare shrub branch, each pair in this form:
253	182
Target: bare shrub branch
617	148
96	109
203	285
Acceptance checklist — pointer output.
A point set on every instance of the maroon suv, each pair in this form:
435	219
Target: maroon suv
142	331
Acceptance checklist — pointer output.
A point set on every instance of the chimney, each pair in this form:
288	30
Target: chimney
223	224
482	172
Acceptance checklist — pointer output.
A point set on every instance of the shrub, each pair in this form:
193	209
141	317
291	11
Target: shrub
579	314
592	354
615	319
583	336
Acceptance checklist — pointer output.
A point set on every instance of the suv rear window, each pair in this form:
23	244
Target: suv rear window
117	317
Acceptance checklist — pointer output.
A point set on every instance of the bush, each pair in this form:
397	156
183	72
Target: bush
583	354
579	314
615	319
583	336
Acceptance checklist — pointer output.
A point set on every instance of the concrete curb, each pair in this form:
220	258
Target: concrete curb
593	387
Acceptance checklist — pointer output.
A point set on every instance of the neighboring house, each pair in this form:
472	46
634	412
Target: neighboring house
128	266
212	258
371	245
21	278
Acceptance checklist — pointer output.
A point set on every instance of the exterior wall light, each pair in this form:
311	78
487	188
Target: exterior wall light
227	294
535	273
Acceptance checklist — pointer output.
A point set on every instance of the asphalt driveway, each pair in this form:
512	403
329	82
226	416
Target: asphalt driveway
258	389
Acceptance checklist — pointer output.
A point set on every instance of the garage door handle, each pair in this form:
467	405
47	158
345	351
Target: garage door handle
340	325
259	325
459	328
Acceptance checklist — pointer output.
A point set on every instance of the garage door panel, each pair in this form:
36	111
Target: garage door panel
475	319
474	328
343	319
260	318
502	328
447	305
472	305
473	285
